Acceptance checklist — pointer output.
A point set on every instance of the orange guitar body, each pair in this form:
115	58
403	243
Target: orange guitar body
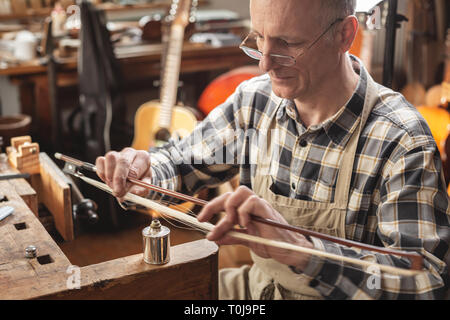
438	117
438	120
223	86
357	45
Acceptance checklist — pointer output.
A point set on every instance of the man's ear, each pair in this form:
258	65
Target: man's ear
347	33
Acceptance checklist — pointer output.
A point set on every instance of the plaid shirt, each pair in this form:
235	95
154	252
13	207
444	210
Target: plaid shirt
398	197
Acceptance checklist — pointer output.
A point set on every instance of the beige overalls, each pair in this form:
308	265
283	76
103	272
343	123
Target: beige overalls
267	278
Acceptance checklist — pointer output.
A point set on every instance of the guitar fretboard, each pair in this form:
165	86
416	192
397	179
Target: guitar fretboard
171	75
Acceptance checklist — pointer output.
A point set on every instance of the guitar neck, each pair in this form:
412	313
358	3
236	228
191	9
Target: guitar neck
172	59
171	75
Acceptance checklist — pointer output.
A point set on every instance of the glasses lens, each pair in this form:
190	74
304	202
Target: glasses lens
252	53
251	47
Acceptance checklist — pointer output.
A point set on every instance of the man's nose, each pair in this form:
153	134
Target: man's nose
266	63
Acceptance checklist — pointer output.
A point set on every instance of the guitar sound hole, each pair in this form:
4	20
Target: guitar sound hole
162	135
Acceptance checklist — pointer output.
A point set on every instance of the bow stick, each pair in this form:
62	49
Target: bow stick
415	258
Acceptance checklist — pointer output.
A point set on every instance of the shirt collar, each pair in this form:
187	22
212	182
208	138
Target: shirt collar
341	127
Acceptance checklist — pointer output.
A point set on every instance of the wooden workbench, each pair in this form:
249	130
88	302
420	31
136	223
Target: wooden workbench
195	58
190	274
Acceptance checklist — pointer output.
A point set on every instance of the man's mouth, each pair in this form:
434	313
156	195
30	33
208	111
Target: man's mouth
280	77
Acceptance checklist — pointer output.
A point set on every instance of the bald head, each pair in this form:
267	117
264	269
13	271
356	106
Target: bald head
326	11
287	15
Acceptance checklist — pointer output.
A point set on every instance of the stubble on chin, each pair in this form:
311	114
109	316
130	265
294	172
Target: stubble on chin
295	89
285	92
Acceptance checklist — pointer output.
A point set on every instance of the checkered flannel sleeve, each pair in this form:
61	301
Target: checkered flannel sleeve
413	214
207	157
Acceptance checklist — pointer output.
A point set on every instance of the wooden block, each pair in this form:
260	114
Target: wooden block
51	189
18	141
24	155
54	193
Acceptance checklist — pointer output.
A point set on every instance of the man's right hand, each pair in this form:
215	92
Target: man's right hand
115	167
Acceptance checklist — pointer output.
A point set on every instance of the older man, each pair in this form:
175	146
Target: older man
319	145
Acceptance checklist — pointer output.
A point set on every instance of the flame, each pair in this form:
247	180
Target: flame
183	207
155	214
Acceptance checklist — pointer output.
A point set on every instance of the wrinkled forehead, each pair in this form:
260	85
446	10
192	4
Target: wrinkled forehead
296	17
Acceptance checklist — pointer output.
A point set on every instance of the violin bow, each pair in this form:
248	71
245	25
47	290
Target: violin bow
416	259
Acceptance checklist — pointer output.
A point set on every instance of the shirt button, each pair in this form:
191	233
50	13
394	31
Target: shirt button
303	143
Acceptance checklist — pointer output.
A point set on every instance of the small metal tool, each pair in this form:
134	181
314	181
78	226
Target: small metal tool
71	169
74	170
156	239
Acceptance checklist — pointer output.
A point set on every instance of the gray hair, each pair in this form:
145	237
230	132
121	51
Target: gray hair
335	9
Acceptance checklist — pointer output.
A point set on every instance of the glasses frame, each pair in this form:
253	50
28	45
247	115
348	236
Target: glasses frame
257	55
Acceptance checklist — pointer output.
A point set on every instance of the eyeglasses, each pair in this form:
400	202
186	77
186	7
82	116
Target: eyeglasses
280	59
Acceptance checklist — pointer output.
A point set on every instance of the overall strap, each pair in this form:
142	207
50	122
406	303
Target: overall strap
346	170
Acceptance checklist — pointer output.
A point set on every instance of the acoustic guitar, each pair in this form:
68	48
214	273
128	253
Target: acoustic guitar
157	121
